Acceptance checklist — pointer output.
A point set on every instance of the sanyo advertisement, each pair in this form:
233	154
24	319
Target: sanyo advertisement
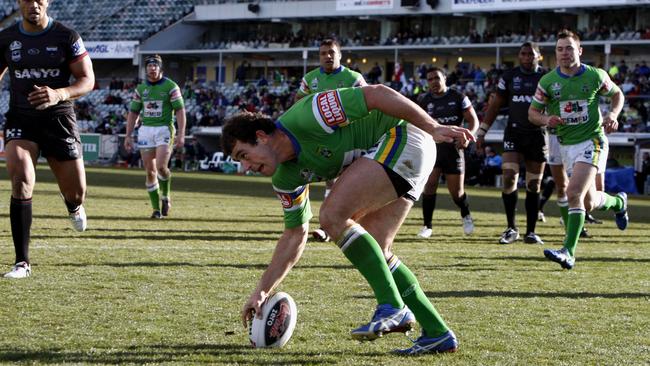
483	5
111	49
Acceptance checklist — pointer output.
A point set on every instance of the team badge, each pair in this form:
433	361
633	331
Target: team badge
585	88
341	84
16	56
516	83
314	84
324	152
557	90
588	154
15	45
52	50
145	92
307	175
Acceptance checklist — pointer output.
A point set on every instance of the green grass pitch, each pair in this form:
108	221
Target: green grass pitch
133	291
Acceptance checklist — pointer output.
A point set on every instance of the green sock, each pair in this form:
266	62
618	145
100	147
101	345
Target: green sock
366	256
165	185
563	203
416	299
573	228
614	203
154	196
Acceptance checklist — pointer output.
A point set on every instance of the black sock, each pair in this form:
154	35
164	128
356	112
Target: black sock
72	207
532	207
549	187
510	204
20	216
428	206
463	205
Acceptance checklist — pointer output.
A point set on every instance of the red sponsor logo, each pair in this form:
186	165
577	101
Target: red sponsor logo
330	108
285	199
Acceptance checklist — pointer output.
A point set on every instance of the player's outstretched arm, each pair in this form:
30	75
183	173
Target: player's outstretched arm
394	104
287	252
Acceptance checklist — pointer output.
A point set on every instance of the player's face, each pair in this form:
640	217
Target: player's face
437	82
154	73
330	57
256	158
567	53
34	11
528	58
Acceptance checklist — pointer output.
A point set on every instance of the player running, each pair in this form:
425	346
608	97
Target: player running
449	107
41	56
521	139
570	95
330	75
322	136
158	98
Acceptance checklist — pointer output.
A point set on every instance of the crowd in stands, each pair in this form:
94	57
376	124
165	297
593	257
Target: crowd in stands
411	37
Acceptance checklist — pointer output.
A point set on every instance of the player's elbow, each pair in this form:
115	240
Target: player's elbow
374	95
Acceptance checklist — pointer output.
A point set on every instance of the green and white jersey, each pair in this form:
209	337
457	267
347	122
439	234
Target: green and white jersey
318	80
575	100
328	130
157	101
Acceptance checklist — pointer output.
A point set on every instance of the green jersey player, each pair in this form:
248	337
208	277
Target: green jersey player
330	75
570	95
157	100
383	162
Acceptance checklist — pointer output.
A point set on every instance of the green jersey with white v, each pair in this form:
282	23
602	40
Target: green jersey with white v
318	80
575	100
328	130
157	101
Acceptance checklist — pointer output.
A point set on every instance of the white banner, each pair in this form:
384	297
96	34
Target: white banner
483	5
111	49
351	5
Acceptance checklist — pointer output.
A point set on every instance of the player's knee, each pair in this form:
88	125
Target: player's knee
331	221
21	187
533	185
509	179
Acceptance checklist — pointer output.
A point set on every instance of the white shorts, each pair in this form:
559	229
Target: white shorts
554	155
150	137
592	152
414	162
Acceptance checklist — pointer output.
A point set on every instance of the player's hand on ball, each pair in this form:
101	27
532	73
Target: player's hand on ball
253	307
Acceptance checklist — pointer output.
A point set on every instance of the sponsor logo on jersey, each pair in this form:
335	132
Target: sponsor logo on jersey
330	108
69	140
16	56
15	45
37	73
585	88
516	83
574	112
78	48
14	133
33	51
588	154
292	200
307	175
52	50
522	99
557	90
341	84
430	108
285	199
447	120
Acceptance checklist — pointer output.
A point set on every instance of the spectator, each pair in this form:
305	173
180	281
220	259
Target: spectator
491	167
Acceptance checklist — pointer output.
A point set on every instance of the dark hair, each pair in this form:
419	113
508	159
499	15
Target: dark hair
565	33
153	59
437	69
243	127
532	45
330	42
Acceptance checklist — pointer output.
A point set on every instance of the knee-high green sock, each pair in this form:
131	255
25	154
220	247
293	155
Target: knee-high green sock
366	256
575	222
165	185
154	196
563	203
415	298
609	202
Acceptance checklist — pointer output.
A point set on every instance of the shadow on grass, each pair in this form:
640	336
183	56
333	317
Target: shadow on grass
163	237
579	259
526	294
192	353
194	265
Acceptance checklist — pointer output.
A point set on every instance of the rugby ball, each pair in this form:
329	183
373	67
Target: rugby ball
279	314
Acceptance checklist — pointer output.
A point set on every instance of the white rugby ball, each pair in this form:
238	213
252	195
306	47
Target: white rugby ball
279	314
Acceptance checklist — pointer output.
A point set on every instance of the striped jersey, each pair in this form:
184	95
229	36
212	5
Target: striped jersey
157	101
575	100
328	130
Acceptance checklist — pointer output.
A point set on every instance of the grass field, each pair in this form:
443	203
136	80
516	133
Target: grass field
131	290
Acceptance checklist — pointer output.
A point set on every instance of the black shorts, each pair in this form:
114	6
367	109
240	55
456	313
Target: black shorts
530	143
450	160
56	136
